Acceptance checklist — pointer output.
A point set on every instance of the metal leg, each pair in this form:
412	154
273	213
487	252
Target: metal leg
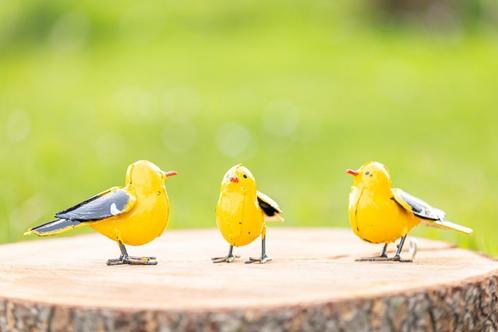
382	257
126	259
400	246
383	254
227	259
264	258
124	252
397	257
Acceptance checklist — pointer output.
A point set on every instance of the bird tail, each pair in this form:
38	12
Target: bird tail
53	227
445	224
276	217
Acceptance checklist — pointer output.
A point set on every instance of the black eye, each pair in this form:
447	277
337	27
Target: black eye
367	173
245	176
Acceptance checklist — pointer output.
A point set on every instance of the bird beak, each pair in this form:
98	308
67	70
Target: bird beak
352	172
169	173
234	179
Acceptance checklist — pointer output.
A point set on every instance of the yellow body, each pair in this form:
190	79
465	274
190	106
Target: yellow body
238	214
143	218
149	216
373	213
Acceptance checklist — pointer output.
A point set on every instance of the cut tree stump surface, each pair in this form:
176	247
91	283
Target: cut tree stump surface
311	283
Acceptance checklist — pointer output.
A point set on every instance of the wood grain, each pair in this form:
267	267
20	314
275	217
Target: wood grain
313	283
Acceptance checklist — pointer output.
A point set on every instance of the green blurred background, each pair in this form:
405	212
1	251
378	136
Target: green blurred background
296	90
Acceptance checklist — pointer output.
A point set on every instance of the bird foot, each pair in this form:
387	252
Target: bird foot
397	258
261	260
384	259
131	260
372	259
226	259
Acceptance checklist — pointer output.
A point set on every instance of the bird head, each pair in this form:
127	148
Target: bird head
239	178
146	176
372	174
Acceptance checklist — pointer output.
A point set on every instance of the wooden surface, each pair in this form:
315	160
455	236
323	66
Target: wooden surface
312	283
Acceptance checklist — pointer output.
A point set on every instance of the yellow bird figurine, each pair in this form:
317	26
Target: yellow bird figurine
381	214
241	213
132	215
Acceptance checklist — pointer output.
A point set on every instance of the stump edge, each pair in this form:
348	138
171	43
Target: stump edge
470	304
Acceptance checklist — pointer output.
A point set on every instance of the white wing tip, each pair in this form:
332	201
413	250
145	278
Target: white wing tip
277	217
467	230
456	227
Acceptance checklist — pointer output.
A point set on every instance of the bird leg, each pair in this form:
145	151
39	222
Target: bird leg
131	260
397	257
381	258
264	258
226	259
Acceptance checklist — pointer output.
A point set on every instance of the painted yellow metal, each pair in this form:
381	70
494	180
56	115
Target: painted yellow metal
379	213
238	214
144	217
149	216
374	216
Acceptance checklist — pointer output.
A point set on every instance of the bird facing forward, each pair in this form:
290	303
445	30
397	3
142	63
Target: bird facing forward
381	214
131	215
241	213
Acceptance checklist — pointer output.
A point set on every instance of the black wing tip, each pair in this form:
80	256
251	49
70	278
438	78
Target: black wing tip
268	210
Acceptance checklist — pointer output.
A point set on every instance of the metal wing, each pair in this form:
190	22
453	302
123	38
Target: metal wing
417	206
432	217
270	208
110	203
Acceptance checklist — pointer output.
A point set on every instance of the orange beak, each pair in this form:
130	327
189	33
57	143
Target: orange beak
234	179
352	172
170	173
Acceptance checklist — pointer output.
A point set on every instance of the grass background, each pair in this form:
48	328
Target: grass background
296	90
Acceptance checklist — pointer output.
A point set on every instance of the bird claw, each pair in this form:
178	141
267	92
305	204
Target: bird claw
226	259
130	260
261	260
397	258
384	259
372	259
151	258
115	261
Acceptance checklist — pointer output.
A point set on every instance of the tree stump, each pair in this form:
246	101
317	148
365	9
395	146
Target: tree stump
312	284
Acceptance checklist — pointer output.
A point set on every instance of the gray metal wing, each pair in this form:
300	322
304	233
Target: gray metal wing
430	215
107	204
417	206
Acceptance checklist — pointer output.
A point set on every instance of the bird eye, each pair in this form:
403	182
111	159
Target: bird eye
367	173
245	176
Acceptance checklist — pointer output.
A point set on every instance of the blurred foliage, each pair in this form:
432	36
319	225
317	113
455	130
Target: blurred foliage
296	90
437	14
